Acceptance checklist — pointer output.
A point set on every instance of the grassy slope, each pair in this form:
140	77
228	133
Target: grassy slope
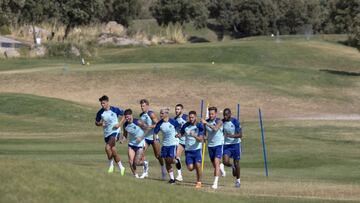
54	153
291	67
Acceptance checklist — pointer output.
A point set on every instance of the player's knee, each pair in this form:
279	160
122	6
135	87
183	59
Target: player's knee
226	163
137	162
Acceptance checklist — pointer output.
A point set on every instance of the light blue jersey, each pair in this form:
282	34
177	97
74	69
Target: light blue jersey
231	127
110	118
181	120
215	138
134	131
145	117
190	142
169	131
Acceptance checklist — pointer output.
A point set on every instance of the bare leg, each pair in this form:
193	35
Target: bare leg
108	151
226	161
198	172
139	161
190	167
113	149
156	148
179	151
131	155
216	164
237	168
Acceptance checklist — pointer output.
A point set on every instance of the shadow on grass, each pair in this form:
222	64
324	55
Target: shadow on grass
185	183
342	73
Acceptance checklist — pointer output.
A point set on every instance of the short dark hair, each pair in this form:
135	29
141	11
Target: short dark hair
192	112
227	110
142	101
212	108
127	112
179	105
104	98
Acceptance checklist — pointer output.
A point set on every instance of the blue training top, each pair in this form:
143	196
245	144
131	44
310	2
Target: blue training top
110	118
134	131
181	120
169	131
145	117
231	127
190	142
215	138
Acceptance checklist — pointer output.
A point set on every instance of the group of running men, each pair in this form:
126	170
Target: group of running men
181	133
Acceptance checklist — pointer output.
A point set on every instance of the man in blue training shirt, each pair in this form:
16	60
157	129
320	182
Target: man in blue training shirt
108	118
193	132
232	144
168	128
134	131
181	118
150	119
214	135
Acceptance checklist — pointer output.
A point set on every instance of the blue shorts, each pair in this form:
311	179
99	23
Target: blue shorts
107	139
135	148
193	156
168	151
151	142
215	152
233	151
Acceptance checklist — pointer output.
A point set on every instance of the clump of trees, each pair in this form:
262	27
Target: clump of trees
237	17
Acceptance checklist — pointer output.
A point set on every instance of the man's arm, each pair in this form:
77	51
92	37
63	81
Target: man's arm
98	123
154	120
236	135
213	127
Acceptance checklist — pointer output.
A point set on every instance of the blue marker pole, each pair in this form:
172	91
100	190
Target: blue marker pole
238	112
263	143
202	108
238	117
204	143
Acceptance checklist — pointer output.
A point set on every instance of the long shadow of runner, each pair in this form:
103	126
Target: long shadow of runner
186	183
338	72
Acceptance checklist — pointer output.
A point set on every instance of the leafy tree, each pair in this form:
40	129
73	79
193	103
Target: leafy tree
79	12
121	11
342	14
245	17
180	11
10	11
32	13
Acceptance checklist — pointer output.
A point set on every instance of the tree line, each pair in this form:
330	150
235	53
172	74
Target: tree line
237	17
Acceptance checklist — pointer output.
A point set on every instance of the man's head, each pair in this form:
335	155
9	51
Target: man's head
192	117
164	112
212	112
104	102
178	109
128	115
227	114
144	104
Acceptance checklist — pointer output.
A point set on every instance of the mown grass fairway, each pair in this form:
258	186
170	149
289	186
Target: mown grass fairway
50	150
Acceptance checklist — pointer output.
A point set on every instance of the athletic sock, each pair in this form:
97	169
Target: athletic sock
163	169
238	180
171	173
120	165
111	162
216	180
179	172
